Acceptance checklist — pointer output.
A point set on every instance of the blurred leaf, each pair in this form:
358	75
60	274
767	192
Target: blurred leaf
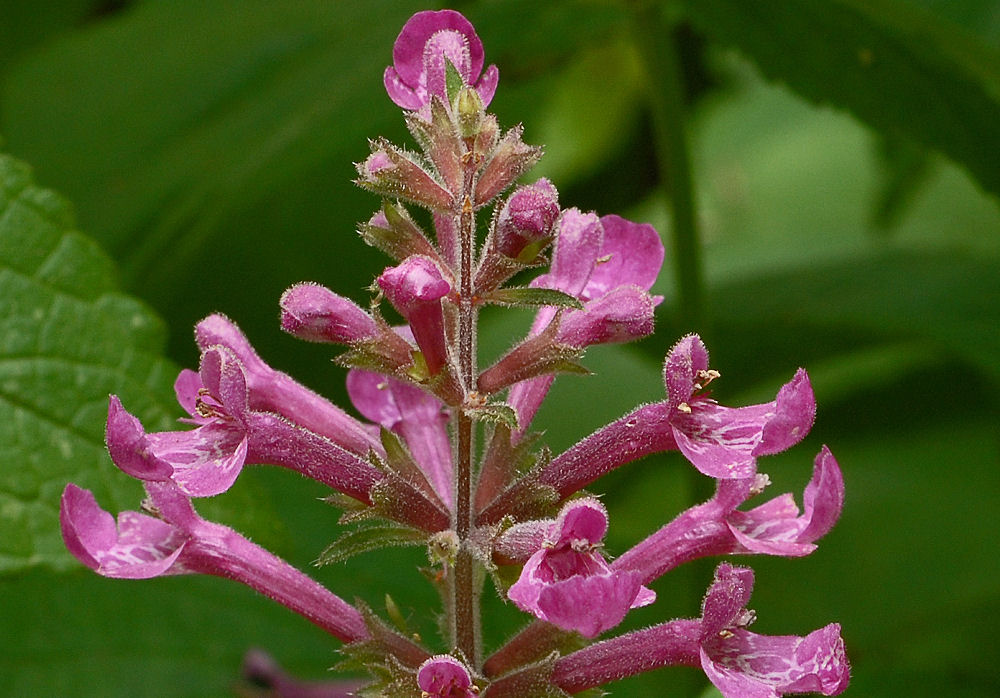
207	163
68	338
590	113
896	66
84	635
26	24
777	321
905	167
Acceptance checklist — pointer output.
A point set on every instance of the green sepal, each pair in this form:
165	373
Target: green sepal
368	538
453	81
527	297
401	239
529	681
525	498
349	505
494	412
504	462
386	654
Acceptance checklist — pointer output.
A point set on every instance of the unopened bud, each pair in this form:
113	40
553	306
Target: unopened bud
468	112
526	220
415	288
392	172
317	314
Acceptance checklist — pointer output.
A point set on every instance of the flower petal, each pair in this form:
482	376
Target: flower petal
719	441
590	605
791	416
631	253
139	547
681	367
443	676
747	664
206	461
726	599
130	447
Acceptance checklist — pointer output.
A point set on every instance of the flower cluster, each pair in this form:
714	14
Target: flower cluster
444	451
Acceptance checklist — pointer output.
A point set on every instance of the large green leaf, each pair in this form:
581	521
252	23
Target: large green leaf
950	301
216	170
896	66
68	338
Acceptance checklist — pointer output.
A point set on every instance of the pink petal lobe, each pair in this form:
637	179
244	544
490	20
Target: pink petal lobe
130	446
823	499
718	440
792	415
589	605
487	85
186	388
139	547
206	461
632	253
681	367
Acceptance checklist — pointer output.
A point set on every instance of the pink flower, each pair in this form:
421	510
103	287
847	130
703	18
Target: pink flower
317	314
721	442
269	390
415	288
609	264
741	664
443	676
568	583
178	541
528	216
718	528
206	460
416	416
427	41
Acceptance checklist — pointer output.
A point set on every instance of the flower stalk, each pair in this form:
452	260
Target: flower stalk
448	460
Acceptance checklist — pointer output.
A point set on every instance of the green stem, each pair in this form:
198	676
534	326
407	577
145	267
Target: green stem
664	79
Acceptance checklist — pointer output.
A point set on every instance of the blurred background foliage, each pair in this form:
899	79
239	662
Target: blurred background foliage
843	180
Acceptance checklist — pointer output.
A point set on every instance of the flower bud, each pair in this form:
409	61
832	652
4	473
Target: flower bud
389	171
526	220
415	288
317	314
468	112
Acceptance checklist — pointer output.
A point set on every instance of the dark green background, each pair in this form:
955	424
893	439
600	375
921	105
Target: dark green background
845	166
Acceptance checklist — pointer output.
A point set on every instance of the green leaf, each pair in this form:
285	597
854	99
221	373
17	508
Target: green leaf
950	300
221	157
68	338
370	538
26	24
900	68
525	297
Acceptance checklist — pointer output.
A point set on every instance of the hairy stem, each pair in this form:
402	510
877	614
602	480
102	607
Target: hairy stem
466	589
